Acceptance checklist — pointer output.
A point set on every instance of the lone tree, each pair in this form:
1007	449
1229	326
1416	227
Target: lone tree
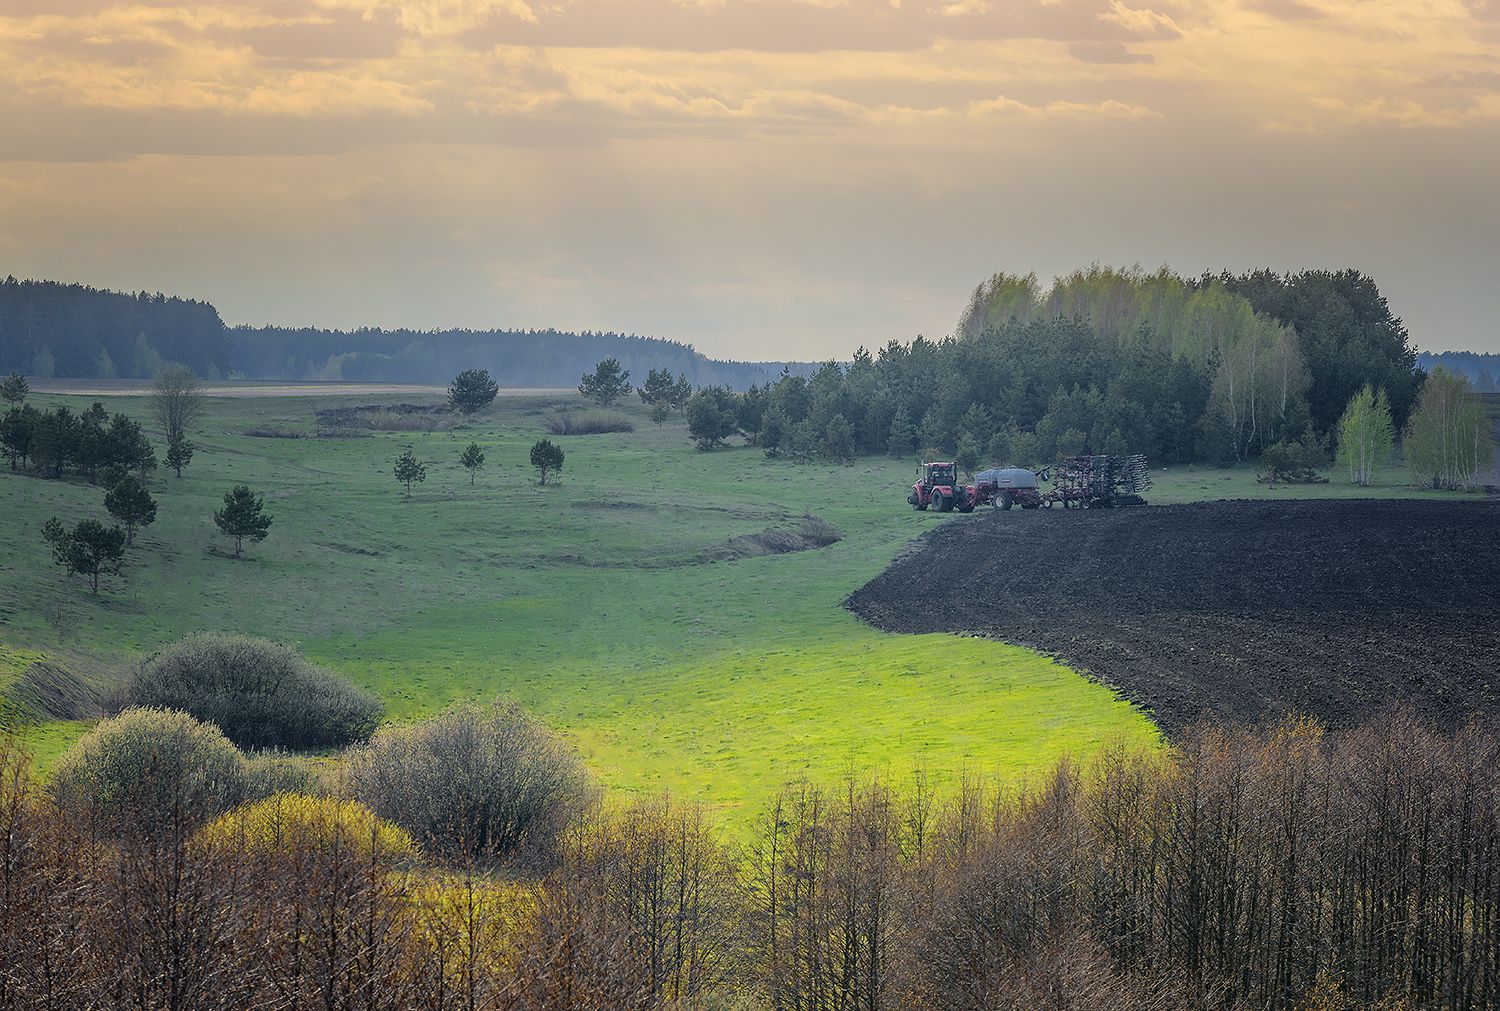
472	460
606	384
13	389
1366	435
242	517
179	454
472	390
546	457
131	504
409	469
89	549
176	400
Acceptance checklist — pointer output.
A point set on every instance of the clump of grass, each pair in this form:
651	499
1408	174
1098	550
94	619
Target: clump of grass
389	418
587	423
274	432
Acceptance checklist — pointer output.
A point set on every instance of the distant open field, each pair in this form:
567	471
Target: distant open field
241	388
604	602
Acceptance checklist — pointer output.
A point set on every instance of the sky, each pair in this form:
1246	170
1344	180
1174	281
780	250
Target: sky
764	179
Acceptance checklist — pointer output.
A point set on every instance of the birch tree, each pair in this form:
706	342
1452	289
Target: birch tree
1365	435
1449	440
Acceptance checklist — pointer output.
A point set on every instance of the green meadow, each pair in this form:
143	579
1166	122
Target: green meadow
605	602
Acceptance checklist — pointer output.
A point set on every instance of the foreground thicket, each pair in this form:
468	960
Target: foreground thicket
1290	868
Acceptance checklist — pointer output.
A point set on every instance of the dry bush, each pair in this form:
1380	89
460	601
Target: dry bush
146	767
587	423
274	432
259	693
487	782
268	773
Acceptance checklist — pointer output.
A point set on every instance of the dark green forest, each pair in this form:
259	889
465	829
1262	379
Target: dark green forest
1215	368
69	330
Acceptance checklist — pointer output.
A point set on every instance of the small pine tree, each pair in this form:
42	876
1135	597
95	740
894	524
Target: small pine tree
13	389
838	439
473	459
902	438
243	516
131	504
472	390
546	457
966	457
606	384
89	549
409	469
179	453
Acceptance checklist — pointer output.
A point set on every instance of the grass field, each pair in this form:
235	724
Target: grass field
592	602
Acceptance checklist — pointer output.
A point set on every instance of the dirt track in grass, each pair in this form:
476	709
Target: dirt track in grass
1237	610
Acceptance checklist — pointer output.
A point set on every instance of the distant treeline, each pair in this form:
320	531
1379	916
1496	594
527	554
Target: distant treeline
1483	370
53	329
1105	361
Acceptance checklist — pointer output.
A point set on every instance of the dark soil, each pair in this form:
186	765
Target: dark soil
1236	610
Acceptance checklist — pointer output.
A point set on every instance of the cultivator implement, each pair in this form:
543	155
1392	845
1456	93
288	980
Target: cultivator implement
1095	482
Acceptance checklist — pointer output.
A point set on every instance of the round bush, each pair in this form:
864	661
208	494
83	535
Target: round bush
260	694
477	781
146	767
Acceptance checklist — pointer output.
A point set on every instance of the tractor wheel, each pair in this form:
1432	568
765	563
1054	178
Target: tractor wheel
918	505
939	503
1006	501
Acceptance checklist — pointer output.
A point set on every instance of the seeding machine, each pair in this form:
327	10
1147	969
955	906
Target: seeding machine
1085	482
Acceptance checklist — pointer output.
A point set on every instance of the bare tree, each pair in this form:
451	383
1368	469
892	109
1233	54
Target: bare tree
176	400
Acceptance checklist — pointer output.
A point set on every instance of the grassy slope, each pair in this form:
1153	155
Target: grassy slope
586	601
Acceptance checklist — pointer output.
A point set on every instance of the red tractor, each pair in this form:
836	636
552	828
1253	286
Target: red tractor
937	486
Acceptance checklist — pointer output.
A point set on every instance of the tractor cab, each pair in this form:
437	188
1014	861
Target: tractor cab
937	486
935	475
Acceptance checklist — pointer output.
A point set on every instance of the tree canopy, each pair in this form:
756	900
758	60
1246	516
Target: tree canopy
242	517
606	384
472	391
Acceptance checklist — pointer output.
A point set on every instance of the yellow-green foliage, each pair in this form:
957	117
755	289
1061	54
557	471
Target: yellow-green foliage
468	916
290	822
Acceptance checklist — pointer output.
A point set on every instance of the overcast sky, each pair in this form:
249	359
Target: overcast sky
762	178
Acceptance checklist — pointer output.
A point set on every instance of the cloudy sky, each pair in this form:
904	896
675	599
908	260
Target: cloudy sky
763	178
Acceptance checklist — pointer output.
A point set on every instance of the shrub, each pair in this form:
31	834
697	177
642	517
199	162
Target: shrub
273	432
588	423
271	772
148	767
261	694
477	781
290	823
